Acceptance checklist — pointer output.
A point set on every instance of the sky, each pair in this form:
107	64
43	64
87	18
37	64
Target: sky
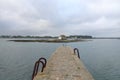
99	18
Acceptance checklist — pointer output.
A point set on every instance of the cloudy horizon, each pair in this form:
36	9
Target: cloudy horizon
55	17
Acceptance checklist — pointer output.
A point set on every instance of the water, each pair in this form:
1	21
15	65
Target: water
101	57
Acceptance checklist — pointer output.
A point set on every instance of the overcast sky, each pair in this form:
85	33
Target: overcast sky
55	17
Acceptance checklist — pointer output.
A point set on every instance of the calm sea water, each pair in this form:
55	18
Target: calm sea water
101	57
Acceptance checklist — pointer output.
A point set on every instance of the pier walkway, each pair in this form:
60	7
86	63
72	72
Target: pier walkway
64	65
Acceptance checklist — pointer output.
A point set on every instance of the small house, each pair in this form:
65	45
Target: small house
62	37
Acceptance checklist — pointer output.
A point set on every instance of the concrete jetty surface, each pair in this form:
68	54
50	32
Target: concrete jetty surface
64	65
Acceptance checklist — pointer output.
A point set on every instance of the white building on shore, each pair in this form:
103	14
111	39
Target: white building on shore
62	37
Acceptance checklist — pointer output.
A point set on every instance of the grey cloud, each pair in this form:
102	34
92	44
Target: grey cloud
55	17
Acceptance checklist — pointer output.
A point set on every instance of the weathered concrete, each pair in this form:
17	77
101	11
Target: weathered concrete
64	65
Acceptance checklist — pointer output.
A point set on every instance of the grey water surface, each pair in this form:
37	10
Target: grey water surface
101	57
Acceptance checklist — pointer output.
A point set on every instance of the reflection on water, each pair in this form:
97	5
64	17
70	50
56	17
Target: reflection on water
101	57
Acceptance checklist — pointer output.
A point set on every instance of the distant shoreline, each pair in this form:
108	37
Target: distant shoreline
49	41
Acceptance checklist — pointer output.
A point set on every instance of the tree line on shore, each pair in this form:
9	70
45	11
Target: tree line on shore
20	36
70	36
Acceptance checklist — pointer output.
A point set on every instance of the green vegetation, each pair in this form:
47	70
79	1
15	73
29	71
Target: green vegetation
68	37
20	36
80	36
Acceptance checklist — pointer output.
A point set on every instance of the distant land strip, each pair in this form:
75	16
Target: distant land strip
55	41
20	36
55	37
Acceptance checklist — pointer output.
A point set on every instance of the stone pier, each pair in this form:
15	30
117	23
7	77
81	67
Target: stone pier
64	65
